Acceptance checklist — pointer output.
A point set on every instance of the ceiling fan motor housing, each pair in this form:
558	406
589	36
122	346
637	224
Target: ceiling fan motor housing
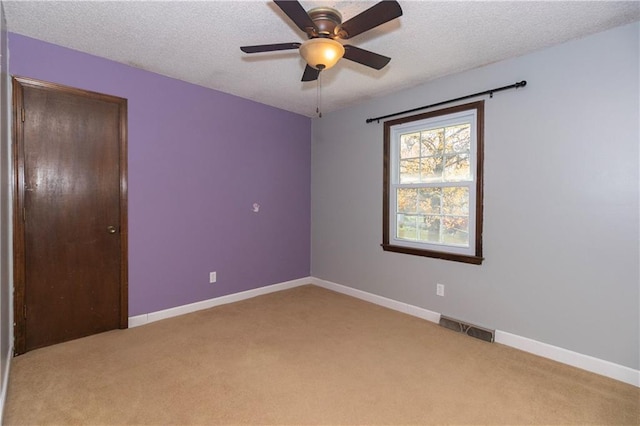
327	21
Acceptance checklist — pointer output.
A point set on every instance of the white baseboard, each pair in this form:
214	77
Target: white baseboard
575	359
379	300
210	303
5	384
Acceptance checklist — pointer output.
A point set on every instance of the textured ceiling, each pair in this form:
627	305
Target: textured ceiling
199	41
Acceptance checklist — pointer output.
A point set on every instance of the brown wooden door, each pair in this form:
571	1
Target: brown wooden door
71	278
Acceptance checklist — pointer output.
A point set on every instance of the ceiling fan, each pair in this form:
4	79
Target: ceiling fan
323	26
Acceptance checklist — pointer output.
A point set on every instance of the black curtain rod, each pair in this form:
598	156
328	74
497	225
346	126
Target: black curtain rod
486	92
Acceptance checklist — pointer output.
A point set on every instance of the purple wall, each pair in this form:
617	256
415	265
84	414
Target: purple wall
198	160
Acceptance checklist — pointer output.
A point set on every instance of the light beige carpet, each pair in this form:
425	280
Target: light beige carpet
303	356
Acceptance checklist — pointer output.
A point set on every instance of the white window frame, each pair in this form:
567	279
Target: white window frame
470	113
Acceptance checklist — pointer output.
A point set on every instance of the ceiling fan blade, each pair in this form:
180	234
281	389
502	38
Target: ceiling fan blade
376	15
365	57
269	47
299	16
310	73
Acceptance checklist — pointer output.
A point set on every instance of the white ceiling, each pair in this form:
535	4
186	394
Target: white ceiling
198	41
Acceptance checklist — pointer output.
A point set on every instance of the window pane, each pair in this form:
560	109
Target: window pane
457	168
410	171
406	227
456	230
431	170
430	229
455	201
458	138
423	229
410	145
429	201
407	200
432	142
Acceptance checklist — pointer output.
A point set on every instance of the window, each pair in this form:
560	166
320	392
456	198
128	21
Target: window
433	184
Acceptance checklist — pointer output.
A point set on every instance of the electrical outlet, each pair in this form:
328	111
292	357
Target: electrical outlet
212	277
440	290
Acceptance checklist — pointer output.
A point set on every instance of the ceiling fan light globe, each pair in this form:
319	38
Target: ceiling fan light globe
321	53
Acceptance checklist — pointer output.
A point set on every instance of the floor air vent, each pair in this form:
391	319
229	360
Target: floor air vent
469	329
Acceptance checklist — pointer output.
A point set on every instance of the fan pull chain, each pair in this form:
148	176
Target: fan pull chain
318	96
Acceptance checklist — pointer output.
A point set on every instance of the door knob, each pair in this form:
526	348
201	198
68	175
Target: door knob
111	229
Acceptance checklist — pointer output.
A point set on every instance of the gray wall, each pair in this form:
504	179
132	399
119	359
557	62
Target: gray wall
561	230
6	329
